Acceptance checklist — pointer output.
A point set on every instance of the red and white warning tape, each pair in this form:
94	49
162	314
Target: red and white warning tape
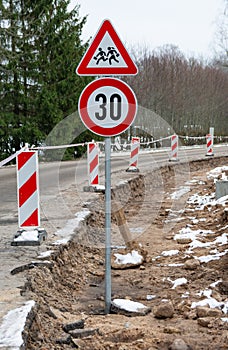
7	160
41	148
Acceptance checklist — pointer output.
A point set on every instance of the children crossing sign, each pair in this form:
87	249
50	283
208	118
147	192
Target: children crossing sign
106	55
107	107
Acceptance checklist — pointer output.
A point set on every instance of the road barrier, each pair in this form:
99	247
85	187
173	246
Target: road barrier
135	146
29	232
174	148
93	163
27	187
209	139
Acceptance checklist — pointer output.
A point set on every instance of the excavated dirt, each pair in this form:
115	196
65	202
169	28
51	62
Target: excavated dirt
72	289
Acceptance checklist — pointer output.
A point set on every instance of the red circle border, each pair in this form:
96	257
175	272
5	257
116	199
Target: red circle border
83	109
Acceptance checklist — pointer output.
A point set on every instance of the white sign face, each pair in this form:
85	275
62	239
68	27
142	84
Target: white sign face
107	55
107	106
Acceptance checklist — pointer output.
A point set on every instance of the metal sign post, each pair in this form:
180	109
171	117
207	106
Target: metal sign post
107	224
107	107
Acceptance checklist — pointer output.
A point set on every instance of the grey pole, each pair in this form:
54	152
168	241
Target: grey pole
107	225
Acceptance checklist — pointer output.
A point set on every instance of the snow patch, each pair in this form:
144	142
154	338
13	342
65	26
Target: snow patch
187	232
177	282
200	200
130	258
216	172
72	224
128	305
212	302
170	252
224	319
13	325
32	235
45	254
213	285
180	192
99	187
207	258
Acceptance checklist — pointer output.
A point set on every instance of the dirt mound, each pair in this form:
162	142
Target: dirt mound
183	279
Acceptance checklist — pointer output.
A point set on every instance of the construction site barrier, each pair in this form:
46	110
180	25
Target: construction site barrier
135	146
93	163
28	191
209	139
174	148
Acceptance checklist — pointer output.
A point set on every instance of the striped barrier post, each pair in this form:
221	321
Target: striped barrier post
93	163
27	187
174	148
209	140
135	146
29	232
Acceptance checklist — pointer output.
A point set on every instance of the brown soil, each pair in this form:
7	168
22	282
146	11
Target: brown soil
73	288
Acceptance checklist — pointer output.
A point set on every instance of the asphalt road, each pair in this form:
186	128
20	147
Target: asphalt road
55	177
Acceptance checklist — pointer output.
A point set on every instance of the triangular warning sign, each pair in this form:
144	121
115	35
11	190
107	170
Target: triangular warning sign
106	55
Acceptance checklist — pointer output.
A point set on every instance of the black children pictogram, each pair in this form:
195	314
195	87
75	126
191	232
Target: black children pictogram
110	55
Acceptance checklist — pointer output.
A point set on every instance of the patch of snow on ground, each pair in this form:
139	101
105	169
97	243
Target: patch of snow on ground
216	172
131	258
178	282
45	254
170	252
13	325
221	240
221	200
32	235
213	285
180	192
200	201
224	319
207	258
67	232
212	302
128	305
195	181
187	232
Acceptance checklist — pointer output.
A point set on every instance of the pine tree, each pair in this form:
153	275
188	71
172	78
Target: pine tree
40	50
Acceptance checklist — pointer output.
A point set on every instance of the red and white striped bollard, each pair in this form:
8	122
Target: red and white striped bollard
174	148
135	146
27	189
93	163
29	232
209	140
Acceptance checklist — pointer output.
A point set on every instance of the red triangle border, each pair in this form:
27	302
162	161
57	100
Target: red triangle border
83	68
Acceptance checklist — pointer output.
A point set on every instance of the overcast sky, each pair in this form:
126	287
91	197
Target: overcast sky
188	24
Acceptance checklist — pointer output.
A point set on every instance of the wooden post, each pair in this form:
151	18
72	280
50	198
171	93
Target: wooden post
118	212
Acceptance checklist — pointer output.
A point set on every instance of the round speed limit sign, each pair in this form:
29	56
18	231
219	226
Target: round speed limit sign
107	106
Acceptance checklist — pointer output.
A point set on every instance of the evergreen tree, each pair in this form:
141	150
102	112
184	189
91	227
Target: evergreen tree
40	50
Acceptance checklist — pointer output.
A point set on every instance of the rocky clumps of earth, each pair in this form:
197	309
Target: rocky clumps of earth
182	279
